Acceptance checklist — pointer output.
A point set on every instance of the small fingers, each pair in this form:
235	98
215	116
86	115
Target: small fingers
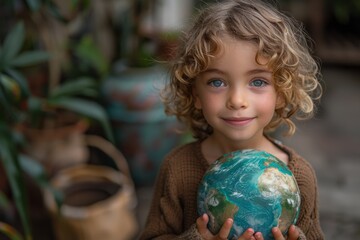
201	224
277	234
259	236
293	233
225	229
247	235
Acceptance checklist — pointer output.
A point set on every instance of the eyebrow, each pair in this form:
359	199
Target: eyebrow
213	70
259	70
251	72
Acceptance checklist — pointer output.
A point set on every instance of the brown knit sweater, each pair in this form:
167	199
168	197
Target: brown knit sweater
173	211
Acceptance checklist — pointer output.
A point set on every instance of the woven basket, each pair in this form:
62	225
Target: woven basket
99	201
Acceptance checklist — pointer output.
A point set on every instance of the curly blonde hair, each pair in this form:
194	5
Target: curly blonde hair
279	38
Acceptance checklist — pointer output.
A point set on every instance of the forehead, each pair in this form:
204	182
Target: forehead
233	52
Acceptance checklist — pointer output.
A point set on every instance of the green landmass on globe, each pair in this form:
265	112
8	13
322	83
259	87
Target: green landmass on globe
252	187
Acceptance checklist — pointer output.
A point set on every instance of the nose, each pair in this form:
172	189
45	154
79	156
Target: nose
237	99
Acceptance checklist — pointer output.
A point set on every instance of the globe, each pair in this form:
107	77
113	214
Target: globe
252	187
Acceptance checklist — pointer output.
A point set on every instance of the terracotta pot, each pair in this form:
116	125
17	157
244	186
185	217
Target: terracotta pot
99	201
57	148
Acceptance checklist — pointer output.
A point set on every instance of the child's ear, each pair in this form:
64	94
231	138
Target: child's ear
197	102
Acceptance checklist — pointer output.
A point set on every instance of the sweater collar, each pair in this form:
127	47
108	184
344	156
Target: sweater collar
292	156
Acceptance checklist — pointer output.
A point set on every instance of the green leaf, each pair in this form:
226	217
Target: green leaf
83	4
74	3
10	232
81	87
10	160
12	44
30	58
4	201
20	79
36	171
12	94
35	104
9	94
34	5
10	88
33	169
5	105
55	11
35	111
90	54
88	109
2	64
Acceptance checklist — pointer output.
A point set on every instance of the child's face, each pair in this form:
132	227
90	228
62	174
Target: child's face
235	94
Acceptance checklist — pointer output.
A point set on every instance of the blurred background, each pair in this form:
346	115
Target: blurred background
82	126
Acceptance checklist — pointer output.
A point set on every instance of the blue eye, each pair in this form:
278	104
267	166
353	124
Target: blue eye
258	83
216	83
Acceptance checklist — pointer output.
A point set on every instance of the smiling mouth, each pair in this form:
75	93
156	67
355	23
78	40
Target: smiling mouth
238	121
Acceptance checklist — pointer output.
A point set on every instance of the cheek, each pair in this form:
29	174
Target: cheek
267	104
209	104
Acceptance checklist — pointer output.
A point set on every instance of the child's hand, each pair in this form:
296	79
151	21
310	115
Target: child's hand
202	221
293	233
201	224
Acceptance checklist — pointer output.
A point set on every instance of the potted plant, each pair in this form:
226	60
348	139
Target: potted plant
66	99
14	93
19	108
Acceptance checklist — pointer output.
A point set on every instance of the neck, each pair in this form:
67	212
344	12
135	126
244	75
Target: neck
213	147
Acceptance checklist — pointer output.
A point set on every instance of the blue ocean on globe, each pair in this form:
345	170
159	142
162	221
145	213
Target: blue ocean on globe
252	187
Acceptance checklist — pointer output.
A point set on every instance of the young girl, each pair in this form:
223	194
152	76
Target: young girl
243	70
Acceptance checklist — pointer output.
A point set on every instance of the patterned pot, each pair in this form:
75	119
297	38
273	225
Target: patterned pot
144	134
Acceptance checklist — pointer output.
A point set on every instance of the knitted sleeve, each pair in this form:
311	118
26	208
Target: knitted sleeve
165	218
192	234
308	220
302	235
